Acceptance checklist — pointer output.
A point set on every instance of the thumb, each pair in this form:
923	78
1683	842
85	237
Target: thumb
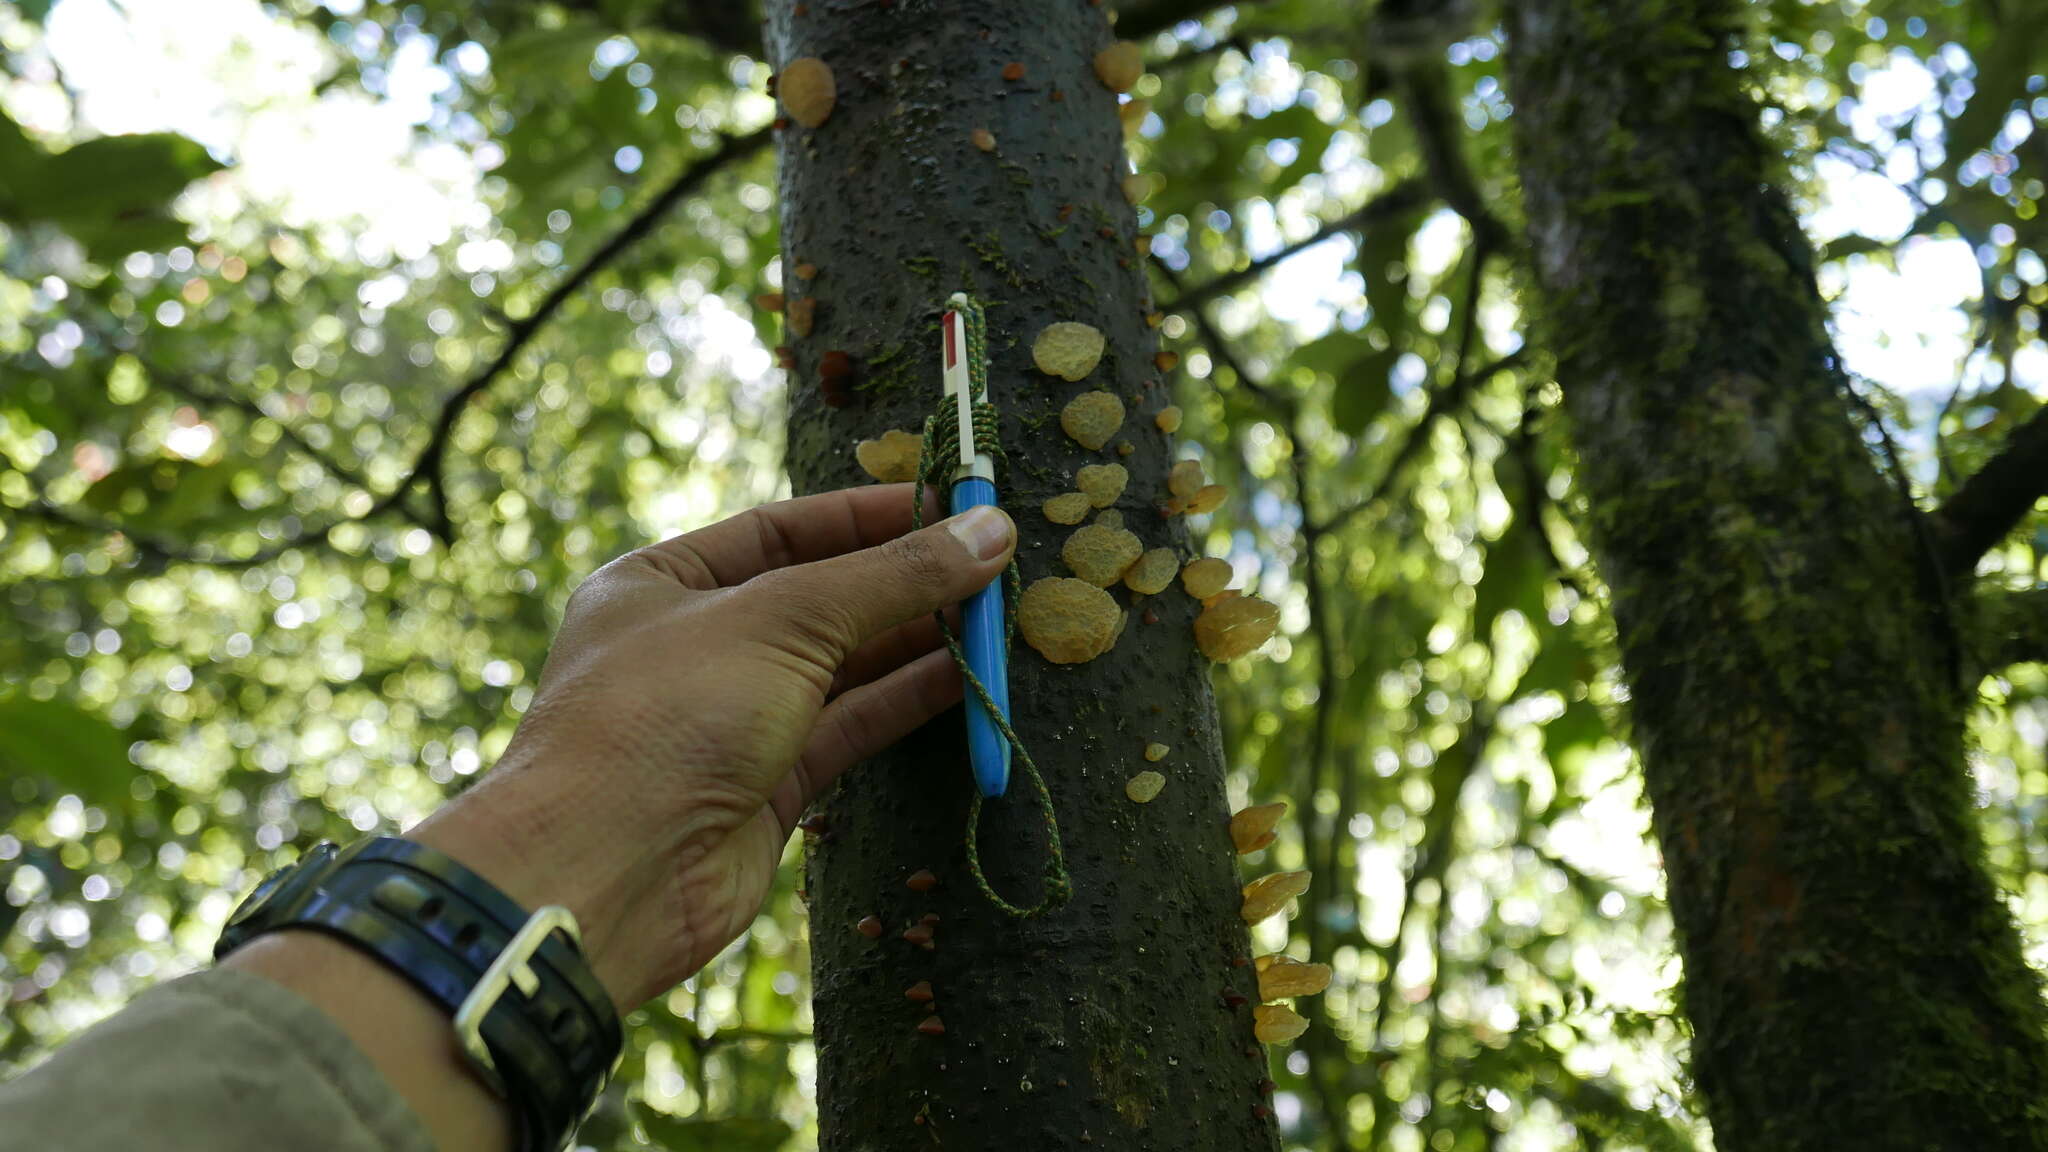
843	601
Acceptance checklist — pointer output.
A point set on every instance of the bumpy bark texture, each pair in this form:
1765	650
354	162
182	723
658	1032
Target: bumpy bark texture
1108	1023
1851	976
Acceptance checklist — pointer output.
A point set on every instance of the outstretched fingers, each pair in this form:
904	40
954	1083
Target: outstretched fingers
787	532
865	720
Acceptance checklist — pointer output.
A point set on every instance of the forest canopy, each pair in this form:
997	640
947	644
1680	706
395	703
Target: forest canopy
339	341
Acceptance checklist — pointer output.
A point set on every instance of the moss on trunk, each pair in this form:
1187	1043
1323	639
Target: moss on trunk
1851	976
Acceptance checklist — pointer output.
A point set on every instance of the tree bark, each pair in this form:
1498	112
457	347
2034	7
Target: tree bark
1122	1020
1850	973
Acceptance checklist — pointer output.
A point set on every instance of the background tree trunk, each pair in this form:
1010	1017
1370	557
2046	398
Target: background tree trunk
1107	1022
1851	976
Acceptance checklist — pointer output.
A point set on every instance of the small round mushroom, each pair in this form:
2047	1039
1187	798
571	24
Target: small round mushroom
1067	508
1144	787
1119	65
1206	577
806	90
1102	483
891	458
1277	1024
1235	627
1101	554
1153	572
1252	828
1286	977
1092	418
1067	349
1269	894
1068	621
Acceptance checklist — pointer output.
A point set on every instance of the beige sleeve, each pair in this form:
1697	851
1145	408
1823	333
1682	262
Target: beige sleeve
219	1061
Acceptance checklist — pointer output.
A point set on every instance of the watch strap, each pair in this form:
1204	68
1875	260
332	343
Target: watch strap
544	1033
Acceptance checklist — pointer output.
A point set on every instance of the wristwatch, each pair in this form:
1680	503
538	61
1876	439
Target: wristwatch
529	1014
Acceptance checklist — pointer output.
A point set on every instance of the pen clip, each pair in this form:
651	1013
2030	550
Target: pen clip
959	384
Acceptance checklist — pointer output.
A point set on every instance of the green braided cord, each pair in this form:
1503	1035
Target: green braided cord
936	460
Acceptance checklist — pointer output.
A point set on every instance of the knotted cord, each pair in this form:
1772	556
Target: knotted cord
937	458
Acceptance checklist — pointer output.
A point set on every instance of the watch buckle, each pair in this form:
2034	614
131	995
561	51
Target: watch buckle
513	968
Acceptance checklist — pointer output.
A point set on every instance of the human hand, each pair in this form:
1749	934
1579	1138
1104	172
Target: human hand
701	692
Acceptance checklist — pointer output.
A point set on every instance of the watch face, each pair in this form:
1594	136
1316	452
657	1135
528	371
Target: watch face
282	888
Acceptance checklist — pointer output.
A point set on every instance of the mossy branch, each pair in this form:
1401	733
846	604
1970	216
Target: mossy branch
2012	627
1996	498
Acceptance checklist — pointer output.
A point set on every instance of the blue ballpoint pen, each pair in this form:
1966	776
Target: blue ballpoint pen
974	484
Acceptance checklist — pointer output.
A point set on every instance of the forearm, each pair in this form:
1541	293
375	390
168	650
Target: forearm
407	1037
514	837
220	1061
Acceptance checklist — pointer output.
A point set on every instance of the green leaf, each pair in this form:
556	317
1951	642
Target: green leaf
80	750
1854	244
557	55
1559	665
1382	253
112	194
2003	67
1363	391
1361	371
1334	353
1573	734
1514	578
733	1134
167	493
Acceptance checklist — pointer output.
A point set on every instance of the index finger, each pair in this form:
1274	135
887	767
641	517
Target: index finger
761	539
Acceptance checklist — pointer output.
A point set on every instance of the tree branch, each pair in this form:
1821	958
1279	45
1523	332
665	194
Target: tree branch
1521	447
1145	17
1994	500
1403	197
428	465
2012	628
1423	86
1445	399
199	394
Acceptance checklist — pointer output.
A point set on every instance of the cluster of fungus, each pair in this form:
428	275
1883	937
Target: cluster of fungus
1280	977
921	935
1191	493
1105	552
1231	624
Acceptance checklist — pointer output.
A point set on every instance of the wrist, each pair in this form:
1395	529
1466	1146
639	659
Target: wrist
542	850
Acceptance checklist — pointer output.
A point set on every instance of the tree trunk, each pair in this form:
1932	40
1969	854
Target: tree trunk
1851	975
1122	1020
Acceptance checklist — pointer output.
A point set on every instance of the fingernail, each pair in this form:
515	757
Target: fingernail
984	530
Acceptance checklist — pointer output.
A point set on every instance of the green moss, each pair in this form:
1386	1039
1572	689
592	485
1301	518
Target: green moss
989	247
